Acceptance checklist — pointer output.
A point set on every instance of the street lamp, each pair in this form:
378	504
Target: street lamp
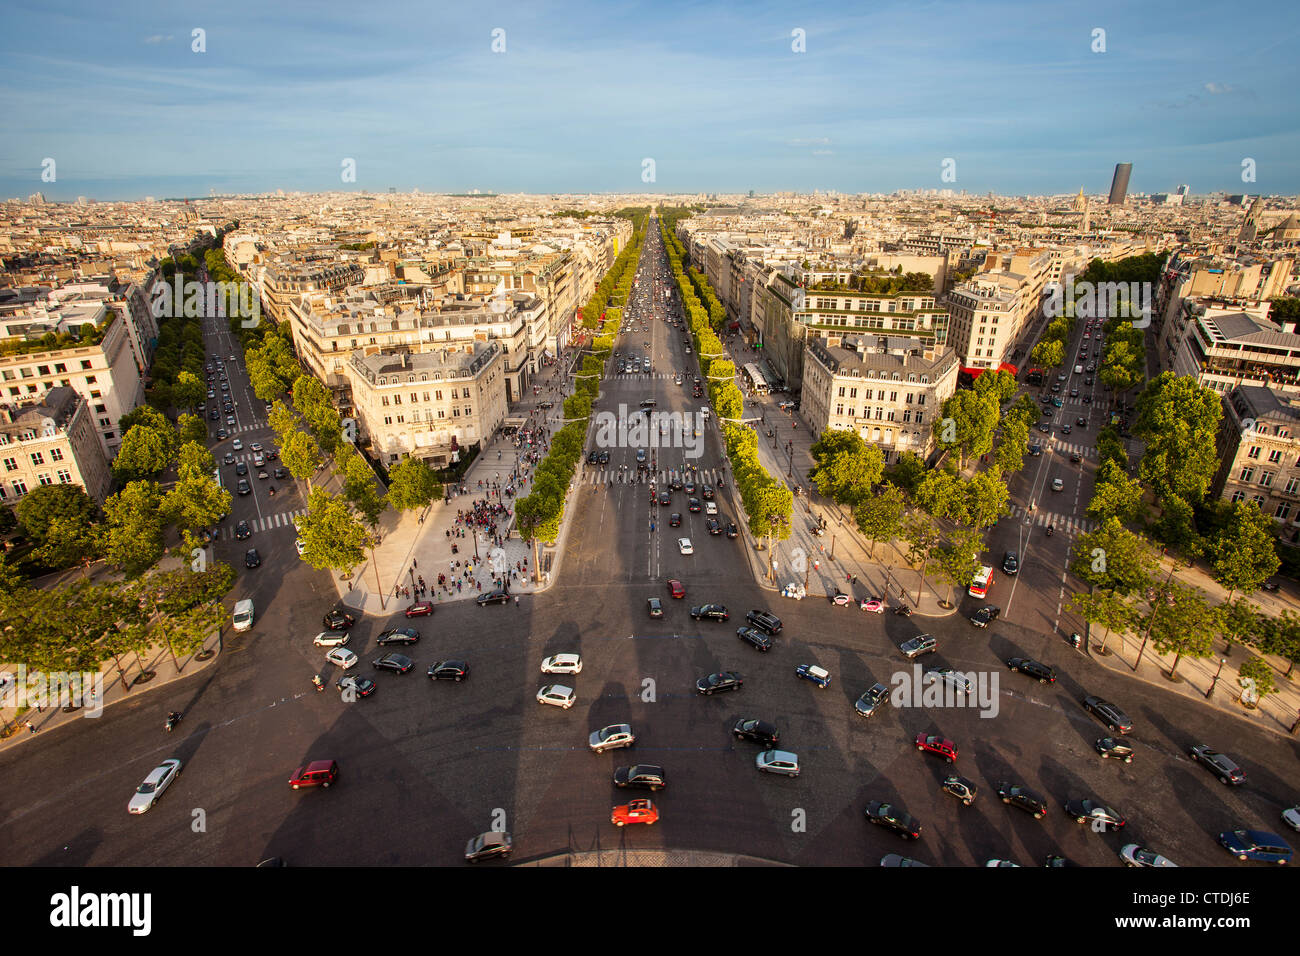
1210	693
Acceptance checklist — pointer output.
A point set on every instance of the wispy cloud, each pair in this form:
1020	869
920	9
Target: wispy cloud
819	141
158	38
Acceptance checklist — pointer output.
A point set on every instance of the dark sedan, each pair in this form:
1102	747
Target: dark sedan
644	776
1095	814
1035	669
724	680
674	520
755	638
252	559
399	635
893	818
759	731
498	596
1016	795
399	663
710	612
1116	721
448	670
985	615
1221	765
242	531
693	505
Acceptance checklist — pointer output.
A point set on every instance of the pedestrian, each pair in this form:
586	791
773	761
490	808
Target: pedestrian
416	564
31	727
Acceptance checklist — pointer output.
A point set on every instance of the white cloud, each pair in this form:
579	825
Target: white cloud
158	38
818	141
1217	88
823	152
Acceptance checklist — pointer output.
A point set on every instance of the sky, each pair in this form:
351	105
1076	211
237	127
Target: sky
116	100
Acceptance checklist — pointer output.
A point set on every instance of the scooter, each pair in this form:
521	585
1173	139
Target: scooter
319	684
1049	530
173	719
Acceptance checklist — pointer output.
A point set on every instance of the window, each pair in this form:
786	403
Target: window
56	454
415	397
20	487
64	476
388	419
1247	474
1283	511
1275	456
1253	452
1266	478
46	479
11	464
38	458
920	418
384	401
90	379
1238	496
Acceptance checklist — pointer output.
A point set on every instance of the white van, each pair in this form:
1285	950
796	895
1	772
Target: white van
1078	370
243	614
704	412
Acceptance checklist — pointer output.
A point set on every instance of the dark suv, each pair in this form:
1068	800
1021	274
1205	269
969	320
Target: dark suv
643	775
893	818
338	620
1116	721
1020	796
759	731
1221	765
765	621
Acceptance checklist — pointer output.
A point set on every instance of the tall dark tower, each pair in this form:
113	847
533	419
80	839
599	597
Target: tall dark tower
1119	185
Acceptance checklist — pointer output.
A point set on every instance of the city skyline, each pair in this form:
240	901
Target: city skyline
280	98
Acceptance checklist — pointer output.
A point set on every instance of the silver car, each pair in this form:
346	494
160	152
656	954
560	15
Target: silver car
778	761
950	678
159	779
562	664
330	638
613	737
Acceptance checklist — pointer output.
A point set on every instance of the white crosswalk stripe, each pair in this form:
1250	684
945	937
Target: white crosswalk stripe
604	476
267	523
1065	523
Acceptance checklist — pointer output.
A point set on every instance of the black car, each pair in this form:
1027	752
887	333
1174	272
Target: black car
1010	563
665	498
604	458
241	469
893	818
394	662
1021	796
1081	422
448	670
1221	765
985	615
1116	721
497	596
593	458
759	731
1113	749
755	638
1035	669
765	621
213	415
710	612
713	526
693	506
732	530
690	487
399	635
674	520
724	680
280	473
243	487
643	775
1095	813
242	531
338	620
252	559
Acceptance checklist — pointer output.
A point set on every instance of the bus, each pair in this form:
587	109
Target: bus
980	586
756	379
216	476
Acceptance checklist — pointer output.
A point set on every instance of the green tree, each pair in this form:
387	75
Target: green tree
360	487
188	391
922	538
957	561
46	505
145	452
333	537
1049	353
133	534
147	416
880	517
1260	674
1279	635
1176	527
1245	555
1104	609
196	501
1178	420
967	423
301	455
1241	621
195	461
413	485
847	467
1000	384
987	499
190	428
1112	558
1009	456
906	472
1116	495
943	495
1185	626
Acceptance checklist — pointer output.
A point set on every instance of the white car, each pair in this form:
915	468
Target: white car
710	508
341	656
330	639
613	737
684	545
301	545
159	779
562	664
237	444
1058	484
557	695
950	678
256	446
778	761
1135	855
997	862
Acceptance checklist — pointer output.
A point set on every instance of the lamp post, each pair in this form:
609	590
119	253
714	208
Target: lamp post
1210	693
789	448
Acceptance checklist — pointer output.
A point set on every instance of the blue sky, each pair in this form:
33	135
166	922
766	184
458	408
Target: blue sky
585	91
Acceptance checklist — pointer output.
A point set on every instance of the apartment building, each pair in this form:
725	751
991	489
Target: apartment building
889	389
284	282
431	405
51	441
1259	451
1223	347
991	310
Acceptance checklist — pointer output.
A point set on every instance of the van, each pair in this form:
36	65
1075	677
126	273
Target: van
243	614
704	412
1078	370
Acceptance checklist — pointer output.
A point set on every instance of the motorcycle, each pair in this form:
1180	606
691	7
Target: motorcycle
271	492
173	719
318	683
1049	530
903	610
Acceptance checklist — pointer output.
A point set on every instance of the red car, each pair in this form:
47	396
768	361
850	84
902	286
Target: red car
420	609
318	773
937	745
634	811
675	588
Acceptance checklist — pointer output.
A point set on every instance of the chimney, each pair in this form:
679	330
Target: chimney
1288	328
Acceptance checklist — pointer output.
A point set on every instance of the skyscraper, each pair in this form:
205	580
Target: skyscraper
1119	185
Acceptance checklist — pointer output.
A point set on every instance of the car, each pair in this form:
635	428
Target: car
655	607
684	546
676	588
1001	863
212	393
593	458
1035	669
634	811
237	444
723	680
1045	428
693	506
755	638
921	644
331	639
338	620
690	488
811	672
1036	449
710	507
710	612
1081	422
492	845
318	773
242	531
342	657
419	609
893	818
840	599
732	530
985	615
872	699
497	596
1010	563
675	483
1075	458
778	761
1113	749
644	776
1018	795
244	488
961	788
897	859
398	635
1047	413
675	520
557	695
1097	815
613	737
355	686
1221	765
1057	403
949	678
1057	483
229	459
252	559
268	408
640	455
707	492
933	743
1135	855
1257	845
1291	817
665	499
713	525
159	779
392	661
222	434
230	419
758	731
562	664
765	621
1116	720
255	446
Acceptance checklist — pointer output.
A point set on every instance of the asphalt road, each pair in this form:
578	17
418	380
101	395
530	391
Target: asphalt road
425	766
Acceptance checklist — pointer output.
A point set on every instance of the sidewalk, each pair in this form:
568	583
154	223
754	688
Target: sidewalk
840	558
437	541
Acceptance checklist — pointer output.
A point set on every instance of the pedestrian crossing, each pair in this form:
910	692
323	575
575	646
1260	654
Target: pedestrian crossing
1073	448
283	519
1064	523
615	476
